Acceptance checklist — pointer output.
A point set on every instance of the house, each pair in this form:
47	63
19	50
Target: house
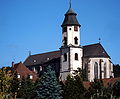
23	72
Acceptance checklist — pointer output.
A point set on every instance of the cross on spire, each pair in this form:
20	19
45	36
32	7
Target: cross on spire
70	3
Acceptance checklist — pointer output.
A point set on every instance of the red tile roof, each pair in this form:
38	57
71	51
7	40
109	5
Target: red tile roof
106	82
21	69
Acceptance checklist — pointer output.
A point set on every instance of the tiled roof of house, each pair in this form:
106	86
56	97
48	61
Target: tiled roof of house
106	82
23	71
94	50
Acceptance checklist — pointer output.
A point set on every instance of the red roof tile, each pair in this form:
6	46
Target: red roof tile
21	69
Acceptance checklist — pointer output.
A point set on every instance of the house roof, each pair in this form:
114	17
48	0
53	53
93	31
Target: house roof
70	18
21	69
94	50
106	82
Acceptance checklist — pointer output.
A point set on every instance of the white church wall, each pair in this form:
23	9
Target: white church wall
72	34
91	62
76	63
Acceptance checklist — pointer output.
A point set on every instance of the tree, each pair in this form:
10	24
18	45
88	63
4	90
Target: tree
48	87
5	82
73	88
8	83
116	89
26	89
14	84
98	91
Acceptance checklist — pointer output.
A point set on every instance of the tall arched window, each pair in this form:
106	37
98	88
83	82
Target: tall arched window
76	40
65	57
96	70
76	56
104	70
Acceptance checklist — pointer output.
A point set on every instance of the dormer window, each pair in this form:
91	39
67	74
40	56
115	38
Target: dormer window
34	61
64	29
18	75
30	77
75	28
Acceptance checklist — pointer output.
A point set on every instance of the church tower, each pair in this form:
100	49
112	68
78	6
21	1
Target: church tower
71	51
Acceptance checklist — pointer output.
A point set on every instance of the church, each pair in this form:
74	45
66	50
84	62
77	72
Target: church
71	56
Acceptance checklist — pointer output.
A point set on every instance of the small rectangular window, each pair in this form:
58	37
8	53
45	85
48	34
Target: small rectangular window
75	28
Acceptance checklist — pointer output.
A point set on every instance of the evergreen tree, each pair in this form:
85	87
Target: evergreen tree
116	89
26	89
98	91
48	87
74	88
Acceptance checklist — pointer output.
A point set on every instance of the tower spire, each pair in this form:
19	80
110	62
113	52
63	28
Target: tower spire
70	3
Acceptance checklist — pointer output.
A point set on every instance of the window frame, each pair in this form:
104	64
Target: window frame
75	28
76	56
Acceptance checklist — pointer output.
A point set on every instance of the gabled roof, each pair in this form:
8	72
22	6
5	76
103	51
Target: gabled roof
94	50
41	58
70	19
21	69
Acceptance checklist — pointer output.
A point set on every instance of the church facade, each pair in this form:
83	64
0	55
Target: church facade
71	56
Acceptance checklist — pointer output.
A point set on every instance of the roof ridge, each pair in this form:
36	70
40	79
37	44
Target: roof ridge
92	44
46	52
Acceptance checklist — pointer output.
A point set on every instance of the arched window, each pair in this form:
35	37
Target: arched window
76	56
96	70
76	40
65	57
104	70
65	40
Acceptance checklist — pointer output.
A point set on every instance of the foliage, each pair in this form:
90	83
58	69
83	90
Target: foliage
98	91
26	89
116	89
48	87
116	70
73	88
81	73
5	82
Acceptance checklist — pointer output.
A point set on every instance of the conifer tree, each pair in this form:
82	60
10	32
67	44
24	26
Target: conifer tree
116	89
74	88
26	89
48	87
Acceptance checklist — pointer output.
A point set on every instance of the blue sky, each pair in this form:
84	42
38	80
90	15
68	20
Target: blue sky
35	25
